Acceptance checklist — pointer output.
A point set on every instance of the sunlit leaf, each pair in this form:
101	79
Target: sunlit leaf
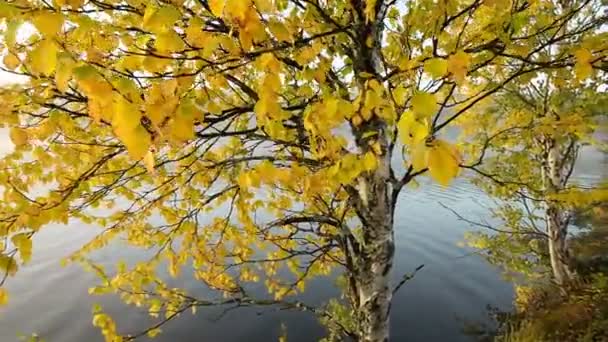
44	57
443	162
458	65
424	104
18	136
583	68
24	245
48	23
436	67
217	7
412	130
11	61
8	265
149	161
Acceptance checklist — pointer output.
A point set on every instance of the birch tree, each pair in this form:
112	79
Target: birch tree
533	132
531	154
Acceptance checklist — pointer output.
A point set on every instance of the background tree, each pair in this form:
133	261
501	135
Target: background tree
533	137
253	138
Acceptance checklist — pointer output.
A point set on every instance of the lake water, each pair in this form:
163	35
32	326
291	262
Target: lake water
453	288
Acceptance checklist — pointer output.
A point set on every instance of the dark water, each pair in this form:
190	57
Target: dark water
453	288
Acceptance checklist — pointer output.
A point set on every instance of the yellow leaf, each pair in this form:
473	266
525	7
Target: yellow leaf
582	71
369	161
405	64
44	57
148	14
149	162
182	126
168	42
24	245
8	265
583	68
3	296
48	23
330	108
400	95
424	105
153	332
126	115
419	156
101	109
371	101
272	84
92	83
237	9
161	19
128	89
75	3
136	140
306	55
370	11
217	7
364	74
443	162
458	65
168	88
155	64
246	39
18	136
195	35
369	42
11	61
9	33
264	6
436	67
131	62
279	30
267	61
411	130
94	55
8	10
65	65
169	15
583	55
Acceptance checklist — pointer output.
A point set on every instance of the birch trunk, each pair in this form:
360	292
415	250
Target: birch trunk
376	257
558	249
374	201
556	222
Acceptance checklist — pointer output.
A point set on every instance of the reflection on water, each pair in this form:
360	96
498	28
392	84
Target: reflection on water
53	302
453	287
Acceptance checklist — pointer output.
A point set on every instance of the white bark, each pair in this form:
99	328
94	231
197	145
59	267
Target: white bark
373	199
558	248
555	218
376	258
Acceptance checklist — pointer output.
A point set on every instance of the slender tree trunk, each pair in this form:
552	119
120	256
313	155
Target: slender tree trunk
373	201
555	218
376	257
375	293
558	249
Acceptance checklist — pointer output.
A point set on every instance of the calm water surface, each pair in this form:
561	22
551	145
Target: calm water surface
454	287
